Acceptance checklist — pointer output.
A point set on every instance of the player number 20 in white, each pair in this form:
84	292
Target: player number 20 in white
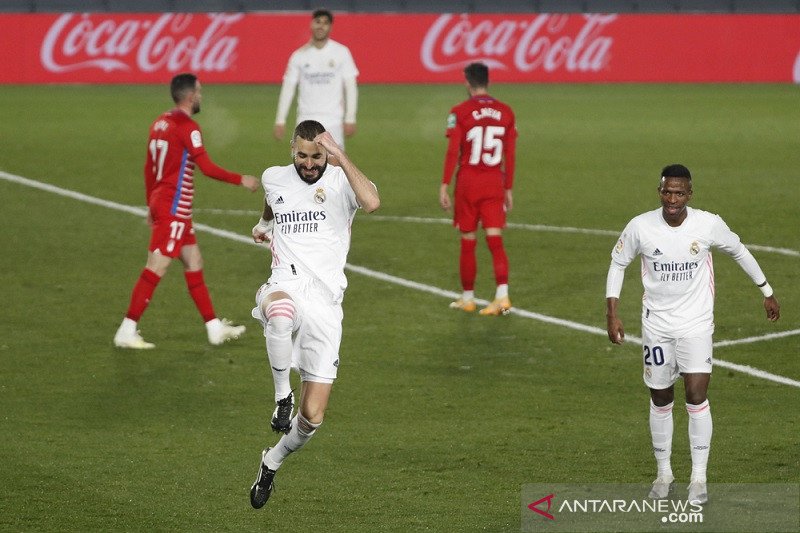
487	145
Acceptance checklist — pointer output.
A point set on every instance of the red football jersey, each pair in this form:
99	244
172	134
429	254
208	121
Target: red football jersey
482	136
174	146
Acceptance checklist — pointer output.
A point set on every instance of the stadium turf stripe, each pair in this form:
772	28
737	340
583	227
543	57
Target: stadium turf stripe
140	211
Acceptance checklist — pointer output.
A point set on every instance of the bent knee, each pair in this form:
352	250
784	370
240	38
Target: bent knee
280	316
309	424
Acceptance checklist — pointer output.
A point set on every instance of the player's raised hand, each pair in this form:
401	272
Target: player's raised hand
251	183
325	139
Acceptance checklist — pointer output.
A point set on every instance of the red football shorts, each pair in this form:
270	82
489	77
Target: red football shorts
484	204
169	234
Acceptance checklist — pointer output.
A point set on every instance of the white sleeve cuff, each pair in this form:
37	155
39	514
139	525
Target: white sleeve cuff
766	290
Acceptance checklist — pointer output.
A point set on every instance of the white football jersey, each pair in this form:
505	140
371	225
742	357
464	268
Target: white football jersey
677	268
311	236
320	72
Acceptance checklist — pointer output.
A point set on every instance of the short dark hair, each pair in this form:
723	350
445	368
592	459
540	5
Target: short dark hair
308	130
477	75
322	13
676	171
181	85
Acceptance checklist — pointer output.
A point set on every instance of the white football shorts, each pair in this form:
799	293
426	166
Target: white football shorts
318	327
665	358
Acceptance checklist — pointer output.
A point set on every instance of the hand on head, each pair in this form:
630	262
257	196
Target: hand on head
326	140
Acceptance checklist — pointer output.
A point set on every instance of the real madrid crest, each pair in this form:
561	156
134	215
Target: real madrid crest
319	196
694	249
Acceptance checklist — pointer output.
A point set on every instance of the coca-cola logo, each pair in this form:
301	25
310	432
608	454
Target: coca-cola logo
547	42
173	42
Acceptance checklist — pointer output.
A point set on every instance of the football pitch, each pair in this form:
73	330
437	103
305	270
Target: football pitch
438	418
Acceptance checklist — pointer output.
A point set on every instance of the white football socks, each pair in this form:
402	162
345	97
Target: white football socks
700	430
280	323
661	428
301	432
501	291
127	328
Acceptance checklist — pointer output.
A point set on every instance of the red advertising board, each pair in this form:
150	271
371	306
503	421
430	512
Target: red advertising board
397	48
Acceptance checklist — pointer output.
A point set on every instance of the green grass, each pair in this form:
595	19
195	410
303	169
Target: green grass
438	418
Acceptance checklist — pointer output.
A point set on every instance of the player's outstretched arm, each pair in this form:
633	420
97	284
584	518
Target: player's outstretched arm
366	193
773	308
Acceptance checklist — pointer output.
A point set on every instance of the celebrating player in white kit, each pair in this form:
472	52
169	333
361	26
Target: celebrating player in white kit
308	209
325	73
675	244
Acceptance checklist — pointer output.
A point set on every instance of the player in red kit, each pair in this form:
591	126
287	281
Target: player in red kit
482	137
174	148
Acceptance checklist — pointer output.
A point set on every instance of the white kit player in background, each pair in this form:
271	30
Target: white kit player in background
675	244
308	210
326	73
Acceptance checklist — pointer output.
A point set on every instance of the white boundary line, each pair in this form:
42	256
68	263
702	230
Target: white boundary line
512	225
140	211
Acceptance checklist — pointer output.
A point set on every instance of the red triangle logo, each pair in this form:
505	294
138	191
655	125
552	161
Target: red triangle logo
546	514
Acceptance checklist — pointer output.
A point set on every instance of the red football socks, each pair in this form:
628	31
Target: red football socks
142	292
468	264
499	258
199	291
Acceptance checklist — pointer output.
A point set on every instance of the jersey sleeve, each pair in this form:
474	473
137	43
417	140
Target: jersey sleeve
510	152
149	177
192	139
292	74
453	133
349	69
267	181
727	241
627	247
212	170
722	236
349	193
